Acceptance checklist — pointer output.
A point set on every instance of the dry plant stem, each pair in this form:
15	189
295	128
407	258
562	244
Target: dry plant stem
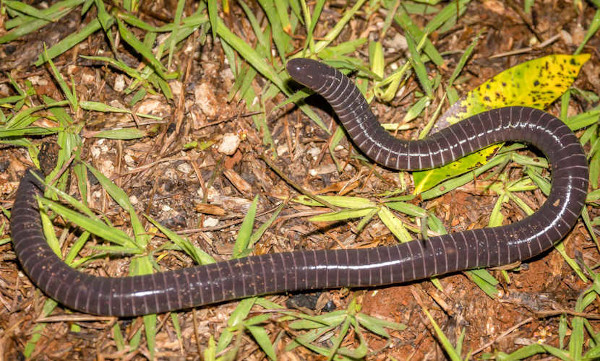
528	49
502	335
295	185
238	116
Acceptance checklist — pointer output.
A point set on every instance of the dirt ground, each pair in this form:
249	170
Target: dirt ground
168	183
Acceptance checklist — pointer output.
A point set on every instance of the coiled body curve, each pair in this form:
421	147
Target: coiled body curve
320	269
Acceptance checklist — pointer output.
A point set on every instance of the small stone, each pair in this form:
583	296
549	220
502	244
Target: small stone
176	87
206	100
210	222
325	169
129	160
119	83
184	168
149	106
229	144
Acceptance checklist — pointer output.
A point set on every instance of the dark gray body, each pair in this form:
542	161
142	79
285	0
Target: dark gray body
272	273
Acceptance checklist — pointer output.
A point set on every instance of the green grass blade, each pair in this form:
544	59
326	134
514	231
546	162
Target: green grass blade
242	241
263	340
70	41
91	224
141	49
419	66
450	351
26	9
196	253
339	26
395	225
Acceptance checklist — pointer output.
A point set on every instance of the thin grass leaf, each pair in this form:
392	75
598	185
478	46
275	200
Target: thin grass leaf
416	109
261	337
281	39
36	333
234	322
143	266
419	66
140	24
366	219
425	180
251	56
339	26
403	19
593	29
92	225
134	342
263	227
334	56
28	10
336	138
118	336
583	120
447	13
68	42
106	22
76	247
407	208
122	200
378	326
484	280
342	215
24	118
359	352
116	251
337	342
394	225
29	131
525	352
121	134
213	15
245	233
454	183
197	254
452	96
12	100
263	42
26	24
70	95
307	340
139	47
173	39
330	319
150	330
450	351
338	201
131	72
101	107
49	234
210	352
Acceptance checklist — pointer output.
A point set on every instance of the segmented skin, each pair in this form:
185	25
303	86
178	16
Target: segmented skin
321	269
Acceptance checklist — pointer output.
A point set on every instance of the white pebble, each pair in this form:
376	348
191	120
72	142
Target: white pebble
119	83
210	222
229	144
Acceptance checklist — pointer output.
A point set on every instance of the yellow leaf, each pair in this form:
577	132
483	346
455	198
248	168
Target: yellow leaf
535	83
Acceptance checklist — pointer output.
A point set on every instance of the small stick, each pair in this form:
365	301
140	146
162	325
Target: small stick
295	185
